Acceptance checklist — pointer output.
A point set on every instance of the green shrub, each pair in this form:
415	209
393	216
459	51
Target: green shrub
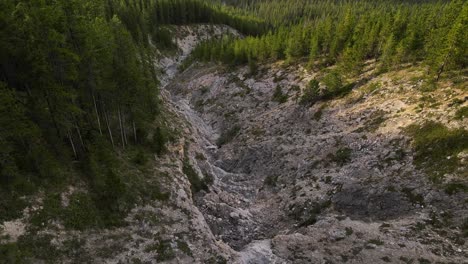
278	95
163	38
140	157
333	88
196	183
109	193
311	93
271	180
11	206
310	217
51	210
81	212
253	67
341	157
184	247
165	251
455	187
10	253
333	82
160	138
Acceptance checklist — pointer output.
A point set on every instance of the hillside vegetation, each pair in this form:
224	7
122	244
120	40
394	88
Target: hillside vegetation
347	34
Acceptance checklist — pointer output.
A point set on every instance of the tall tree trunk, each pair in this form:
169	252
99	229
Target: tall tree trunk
108	127
134	132
97	114
72	144
121	129
52	114
79	134
442	67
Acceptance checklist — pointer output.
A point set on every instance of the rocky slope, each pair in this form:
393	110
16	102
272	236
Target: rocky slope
330	183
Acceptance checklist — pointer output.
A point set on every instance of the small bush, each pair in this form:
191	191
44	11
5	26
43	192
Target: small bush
165	251
310	216
160	138
278	95
311	93
455	187
184	247
253	67
81	213
10	253
271	180
196	183
333	81
204	90
333	88
341	157
162	37
140	158
11	206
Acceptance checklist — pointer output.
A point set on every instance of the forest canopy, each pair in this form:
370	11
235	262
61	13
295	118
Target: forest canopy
78	87
348	33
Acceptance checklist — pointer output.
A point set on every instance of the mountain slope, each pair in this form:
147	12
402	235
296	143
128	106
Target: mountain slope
337	181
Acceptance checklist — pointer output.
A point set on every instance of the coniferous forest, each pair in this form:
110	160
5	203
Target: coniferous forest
81	101
347	34
78	88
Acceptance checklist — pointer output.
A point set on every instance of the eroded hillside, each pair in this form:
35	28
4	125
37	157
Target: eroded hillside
339	181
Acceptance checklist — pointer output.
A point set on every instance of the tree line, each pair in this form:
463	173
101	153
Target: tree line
348	33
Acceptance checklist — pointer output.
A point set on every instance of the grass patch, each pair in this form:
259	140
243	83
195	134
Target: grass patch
376	242
436	148
455	187
31	248
461	113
